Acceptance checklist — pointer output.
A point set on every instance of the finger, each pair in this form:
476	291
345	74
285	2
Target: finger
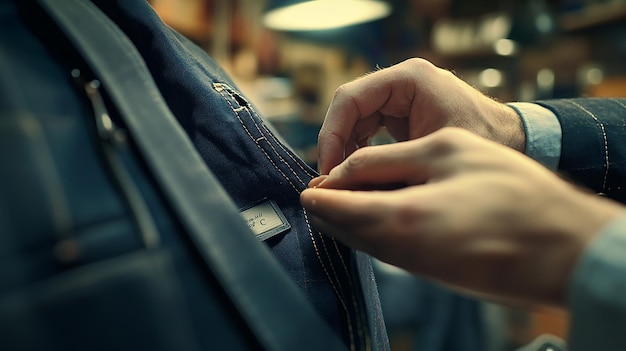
341	206
385	167
315	182
355	101
377	223
351	217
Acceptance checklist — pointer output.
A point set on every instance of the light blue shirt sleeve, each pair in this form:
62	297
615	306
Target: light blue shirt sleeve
597	295
543	133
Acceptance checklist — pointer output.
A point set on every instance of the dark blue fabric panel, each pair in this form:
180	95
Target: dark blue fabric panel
593	149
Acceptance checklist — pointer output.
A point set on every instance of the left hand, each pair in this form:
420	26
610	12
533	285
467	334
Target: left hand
410	100
470	213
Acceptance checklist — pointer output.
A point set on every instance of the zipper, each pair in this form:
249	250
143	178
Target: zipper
113	140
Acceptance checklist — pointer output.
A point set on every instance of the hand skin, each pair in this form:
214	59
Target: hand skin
472	214
411	99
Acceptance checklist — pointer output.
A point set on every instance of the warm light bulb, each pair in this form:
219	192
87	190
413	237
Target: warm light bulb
505	47
325	14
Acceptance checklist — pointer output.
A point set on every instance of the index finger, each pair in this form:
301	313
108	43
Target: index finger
382	91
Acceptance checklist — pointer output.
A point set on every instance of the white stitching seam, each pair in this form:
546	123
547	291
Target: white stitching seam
343	303
605	140
619	103
323	242
357	310
280	145
236	111
222	89
252	115
355	304
279	156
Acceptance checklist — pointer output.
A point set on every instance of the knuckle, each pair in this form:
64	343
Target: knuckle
345	95
420	64
405	218
446	140
342	91
428	71
325	133
452	134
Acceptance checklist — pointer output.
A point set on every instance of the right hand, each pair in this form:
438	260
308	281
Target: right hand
464	211
411	99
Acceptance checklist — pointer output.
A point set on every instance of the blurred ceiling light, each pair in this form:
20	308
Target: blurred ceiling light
545	81
505	47
594	75
545	78
495	26
544	23
487	34
324	14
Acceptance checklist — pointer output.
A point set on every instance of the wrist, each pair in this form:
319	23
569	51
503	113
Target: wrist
511	132
503	125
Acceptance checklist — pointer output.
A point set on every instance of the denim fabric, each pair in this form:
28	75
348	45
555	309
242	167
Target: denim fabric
57	162
75	273
592	148
437	318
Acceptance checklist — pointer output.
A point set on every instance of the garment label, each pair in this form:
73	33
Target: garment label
265	219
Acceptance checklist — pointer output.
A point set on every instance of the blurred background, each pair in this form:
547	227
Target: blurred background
290	63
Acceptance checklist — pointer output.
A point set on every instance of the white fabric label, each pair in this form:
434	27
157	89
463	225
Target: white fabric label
265	219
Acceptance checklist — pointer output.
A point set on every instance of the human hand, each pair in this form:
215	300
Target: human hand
411	99
470	213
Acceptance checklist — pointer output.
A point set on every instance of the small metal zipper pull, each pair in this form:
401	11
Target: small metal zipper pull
107	130
112	140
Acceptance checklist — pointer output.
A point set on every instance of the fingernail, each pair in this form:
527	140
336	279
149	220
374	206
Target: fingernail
317	181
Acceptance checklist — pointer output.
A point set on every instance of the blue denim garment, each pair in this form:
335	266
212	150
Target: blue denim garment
438	318
246	157
75	275
252	164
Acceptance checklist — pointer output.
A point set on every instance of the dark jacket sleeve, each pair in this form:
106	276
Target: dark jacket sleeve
593	152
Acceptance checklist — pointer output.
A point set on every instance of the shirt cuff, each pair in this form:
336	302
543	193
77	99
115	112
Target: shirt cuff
597	292
543	133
